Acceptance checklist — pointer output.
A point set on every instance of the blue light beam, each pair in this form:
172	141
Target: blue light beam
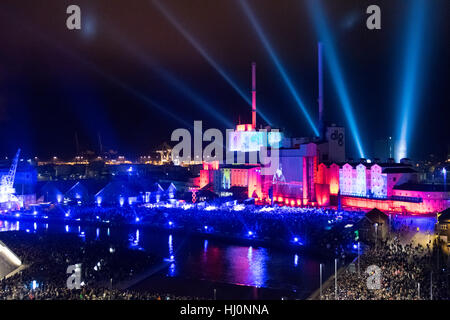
409	90
93	67
316	11
171	79
277	63
206	56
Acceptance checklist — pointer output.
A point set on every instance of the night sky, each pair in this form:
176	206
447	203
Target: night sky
106	78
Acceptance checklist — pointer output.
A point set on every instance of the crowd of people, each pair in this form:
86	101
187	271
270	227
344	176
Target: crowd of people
46	258
316	228
48	255
405	272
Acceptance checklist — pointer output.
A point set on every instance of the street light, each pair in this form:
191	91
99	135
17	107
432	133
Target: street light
359	272
444	172
321	267
376	234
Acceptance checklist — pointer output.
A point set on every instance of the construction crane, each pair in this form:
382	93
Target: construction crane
7	183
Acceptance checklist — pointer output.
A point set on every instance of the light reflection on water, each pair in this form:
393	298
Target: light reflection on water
134	239
197	258
249	265
9	226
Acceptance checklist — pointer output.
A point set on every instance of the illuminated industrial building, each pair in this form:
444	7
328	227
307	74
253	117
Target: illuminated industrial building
295	180
314	172
392	187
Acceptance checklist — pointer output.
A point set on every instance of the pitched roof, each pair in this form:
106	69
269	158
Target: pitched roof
377	216
166	185
444	215
59	187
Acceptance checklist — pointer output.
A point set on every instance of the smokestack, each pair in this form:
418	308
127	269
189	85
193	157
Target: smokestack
321	128
253	95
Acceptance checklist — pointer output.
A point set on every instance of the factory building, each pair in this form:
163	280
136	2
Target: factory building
391	187
294	178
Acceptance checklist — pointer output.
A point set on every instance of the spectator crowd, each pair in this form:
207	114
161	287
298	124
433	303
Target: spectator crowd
316	228
47	257
406	272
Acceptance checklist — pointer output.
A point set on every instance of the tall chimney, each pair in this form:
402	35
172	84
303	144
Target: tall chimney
321	128
253	95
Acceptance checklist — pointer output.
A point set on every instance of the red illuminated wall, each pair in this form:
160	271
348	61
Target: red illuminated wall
432	202
322	194
239	177
333	179
322	173
213	165
254	182
244	127
305	180
426	206
204	178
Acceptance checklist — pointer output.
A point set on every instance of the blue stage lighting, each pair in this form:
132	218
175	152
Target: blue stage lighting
182	87
278	64
171	79
206	56
315	9
139	95
411	63
148	101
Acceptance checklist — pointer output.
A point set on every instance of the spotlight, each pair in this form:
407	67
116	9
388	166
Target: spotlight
315	9
410	76
115	81
170	78
205	55
278	64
